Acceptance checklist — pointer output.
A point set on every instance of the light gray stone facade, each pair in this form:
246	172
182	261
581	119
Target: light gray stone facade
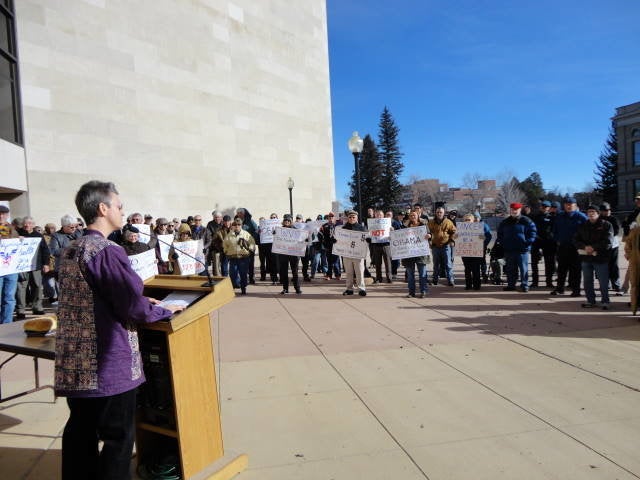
187	105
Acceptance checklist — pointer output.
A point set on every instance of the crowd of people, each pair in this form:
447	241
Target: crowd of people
574	248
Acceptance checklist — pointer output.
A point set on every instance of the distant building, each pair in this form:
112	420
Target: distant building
430	190
627	125
188	106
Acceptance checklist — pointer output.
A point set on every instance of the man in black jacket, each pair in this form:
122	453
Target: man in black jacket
544	246
593	240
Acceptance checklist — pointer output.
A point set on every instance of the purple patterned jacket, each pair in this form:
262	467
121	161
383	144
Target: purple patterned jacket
100	303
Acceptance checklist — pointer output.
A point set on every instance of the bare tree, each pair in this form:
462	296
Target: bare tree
470	180
425	191
508	193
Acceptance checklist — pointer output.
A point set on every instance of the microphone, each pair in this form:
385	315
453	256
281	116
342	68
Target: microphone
209	283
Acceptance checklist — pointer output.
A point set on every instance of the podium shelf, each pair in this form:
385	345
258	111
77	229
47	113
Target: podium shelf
160	430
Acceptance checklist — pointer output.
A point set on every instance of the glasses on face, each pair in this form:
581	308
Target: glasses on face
197	219
163	225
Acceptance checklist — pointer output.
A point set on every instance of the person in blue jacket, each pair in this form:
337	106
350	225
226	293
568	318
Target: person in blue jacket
516	234
565	226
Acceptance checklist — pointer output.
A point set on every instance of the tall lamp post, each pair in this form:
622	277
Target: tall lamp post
355	146
290	185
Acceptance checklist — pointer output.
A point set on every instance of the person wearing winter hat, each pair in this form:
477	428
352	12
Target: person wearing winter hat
516	234
545	246
565	226
288	261
593	240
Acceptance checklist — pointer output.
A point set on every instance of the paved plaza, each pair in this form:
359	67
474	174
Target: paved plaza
459	385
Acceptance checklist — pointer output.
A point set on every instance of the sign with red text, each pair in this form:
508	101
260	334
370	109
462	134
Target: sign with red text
470	240
379	229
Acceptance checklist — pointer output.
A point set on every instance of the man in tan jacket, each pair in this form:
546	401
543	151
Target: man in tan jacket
443	233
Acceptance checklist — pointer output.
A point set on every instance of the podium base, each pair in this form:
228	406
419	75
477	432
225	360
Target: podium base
224	468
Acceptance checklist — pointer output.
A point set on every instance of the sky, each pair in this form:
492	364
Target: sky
489	87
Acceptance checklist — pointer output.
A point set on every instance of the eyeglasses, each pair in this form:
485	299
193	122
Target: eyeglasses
163	225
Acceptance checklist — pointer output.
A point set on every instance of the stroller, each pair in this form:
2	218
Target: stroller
496	263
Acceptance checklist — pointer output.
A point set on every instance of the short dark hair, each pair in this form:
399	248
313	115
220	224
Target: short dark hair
91	195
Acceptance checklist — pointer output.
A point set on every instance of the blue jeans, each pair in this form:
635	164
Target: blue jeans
517	262
316	260
238	271
224	265
8	286
442	260
602	273
409	265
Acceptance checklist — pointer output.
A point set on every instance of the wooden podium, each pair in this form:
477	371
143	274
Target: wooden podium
190	425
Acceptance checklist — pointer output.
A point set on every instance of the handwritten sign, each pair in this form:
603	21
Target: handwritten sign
186	250
313	228
470	241
290	241
145	232
267	226
144	264
350	243
18	255
379	229
409	243
165	241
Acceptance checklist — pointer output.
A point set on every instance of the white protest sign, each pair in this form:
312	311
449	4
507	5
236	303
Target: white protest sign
379	229
290	241
165	241
18	255
144	264
267	226
350	243
409	243
145	232
314	227
187	265
470	241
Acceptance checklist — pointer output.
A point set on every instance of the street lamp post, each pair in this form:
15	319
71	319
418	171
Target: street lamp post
290	185
355	144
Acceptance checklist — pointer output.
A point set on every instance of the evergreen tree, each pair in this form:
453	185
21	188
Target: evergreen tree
532	189
390	157
606	180
370	168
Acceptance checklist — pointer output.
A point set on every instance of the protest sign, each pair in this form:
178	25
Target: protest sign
18	255
165	242
187	265
267	226
290	241
409	242
144	264
145	232
470	241
379	229
350	243
313	228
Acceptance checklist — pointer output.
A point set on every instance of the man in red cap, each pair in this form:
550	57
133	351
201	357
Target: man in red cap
516	234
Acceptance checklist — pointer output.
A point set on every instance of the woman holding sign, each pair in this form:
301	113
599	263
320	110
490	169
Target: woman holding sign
410	264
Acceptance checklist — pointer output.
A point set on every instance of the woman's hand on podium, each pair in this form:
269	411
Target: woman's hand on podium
174	308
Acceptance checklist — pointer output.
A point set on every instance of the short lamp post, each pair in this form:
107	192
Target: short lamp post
355	147
290	186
